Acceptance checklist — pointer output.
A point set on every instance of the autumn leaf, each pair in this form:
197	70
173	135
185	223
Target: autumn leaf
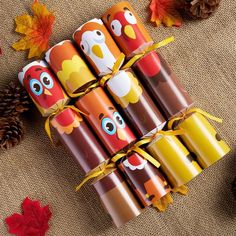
33	221
37	30
166	12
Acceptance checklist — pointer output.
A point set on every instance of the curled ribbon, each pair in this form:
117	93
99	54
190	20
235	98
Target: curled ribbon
47	122
97	173
74	95
193	110
147	50
115	69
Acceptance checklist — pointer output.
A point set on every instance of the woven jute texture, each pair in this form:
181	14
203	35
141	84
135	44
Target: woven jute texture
203	58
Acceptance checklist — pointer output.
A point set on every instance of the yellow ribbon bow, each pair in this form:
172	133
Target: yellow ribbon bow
136	148
97	173
193	110
115	69
47	122
147	50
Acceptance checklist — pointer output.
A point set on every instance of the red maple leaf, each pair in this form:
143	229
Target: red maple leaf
33	221
166	12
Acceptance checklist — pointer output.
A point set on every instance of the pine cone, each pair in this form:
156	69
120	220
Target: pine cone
234	188
13	100
201	9
11	132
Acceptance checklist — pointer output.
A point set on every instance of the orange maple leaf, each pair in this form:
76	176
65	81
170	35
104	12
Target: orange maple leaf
166	12
37	30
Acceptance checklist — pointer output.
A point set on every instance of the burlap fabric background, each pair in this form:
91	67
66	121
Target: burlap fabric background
203	57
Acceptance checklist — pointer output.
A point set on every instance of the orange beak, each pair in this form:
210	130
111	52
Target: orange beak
47	92
121	134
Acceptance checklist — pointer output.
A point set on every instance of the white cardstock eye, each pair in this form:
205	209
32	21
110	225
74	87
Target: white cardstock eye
98	36
130	17
84	46
116	27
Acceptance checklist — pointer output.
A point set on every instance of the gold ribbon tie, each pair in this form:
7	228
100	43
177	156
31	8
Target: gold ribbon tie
96	173
193	110
47	122
115	69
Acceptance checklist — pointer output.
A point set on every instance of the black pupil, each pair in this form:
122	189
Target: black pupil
113	27
36	87
130	14
109	126
82	46
46	80
119	120
98	33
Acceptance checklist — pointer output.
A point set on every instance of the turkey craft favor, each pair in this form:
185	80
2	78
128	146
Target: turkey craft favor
114	133
151	69
98	46
43	88
81	142
200	137
145	179
106	121
113	191
177	163
69	67
124	87
127	29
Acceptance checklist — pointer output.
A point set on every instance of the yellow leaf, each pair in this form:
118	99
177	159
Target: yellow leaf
22	44
23	23
37	30
166	12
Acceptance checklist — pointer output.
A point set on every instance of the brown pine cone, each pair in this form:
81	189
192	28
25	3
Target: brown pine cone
13	100
201	9
11	132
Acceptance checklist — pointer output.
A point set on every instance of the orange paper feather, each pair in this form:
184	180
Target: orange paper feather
166	12
37	30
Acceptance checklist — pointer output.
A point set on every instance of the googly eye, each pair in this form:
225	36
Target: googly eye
84	46
116	27
118	119
130	17
108	126
98	36
36	87
46	80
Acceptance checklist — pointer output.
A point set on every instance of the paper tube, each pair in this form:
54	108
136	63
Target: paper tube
154	72
97	45
176	161
69	67
80	141
117	199
105	120
145	179
127	29
43	88
202	140
136	104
